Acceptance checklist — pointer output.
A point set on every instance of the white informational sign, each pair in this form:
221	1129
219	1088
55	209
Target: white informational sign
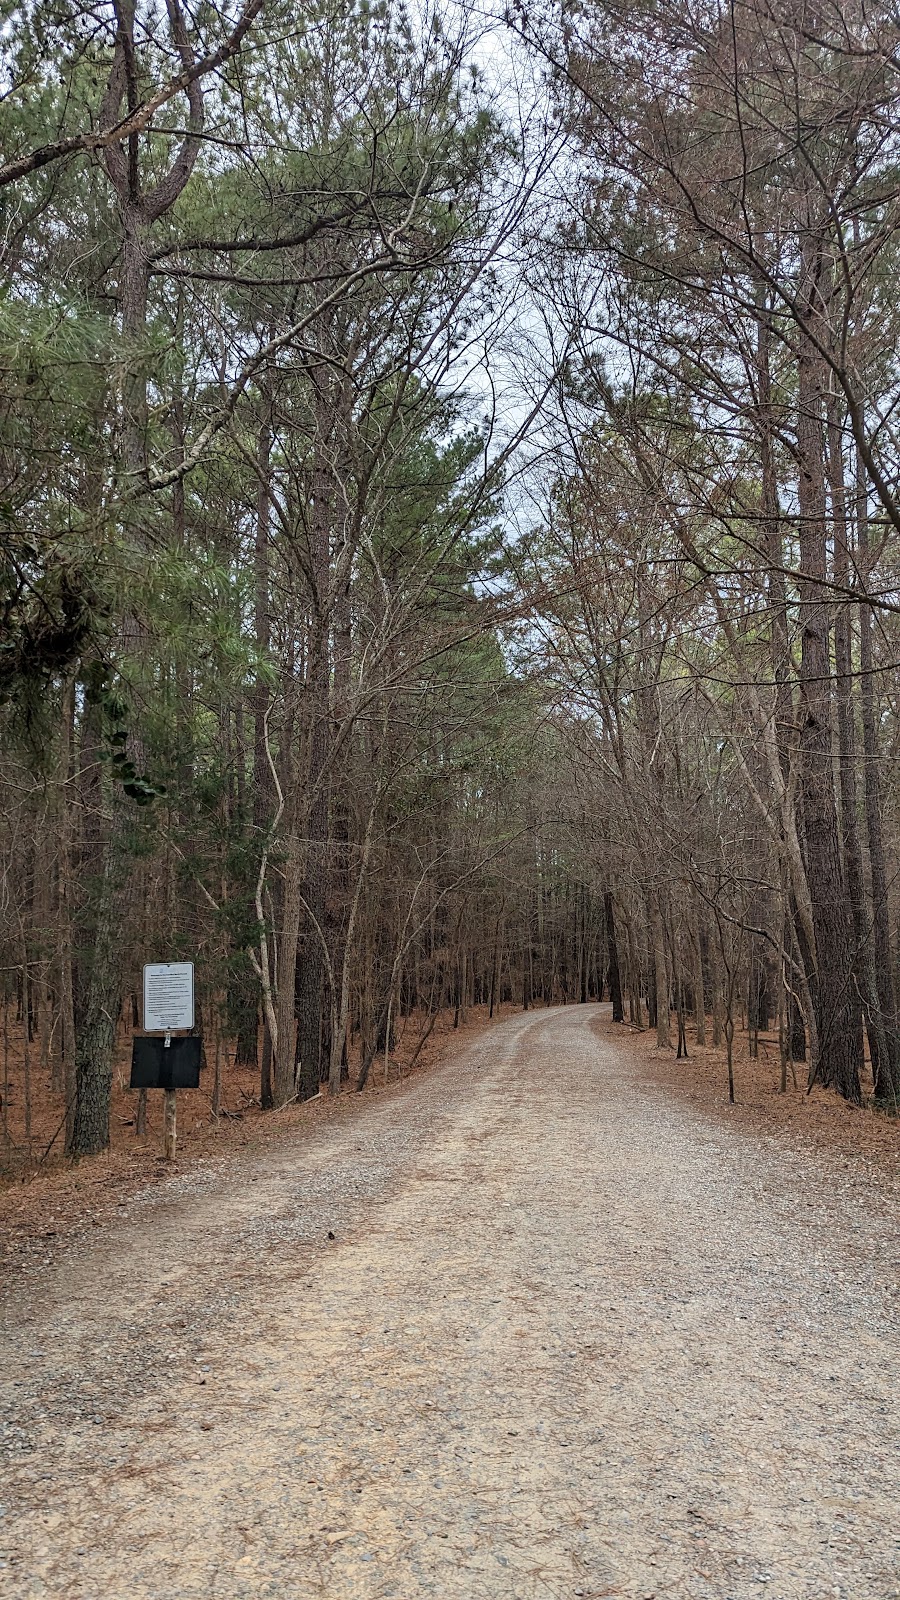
168	996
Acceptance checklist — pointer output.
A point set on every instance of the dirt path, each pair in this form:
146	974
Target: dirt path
571	1338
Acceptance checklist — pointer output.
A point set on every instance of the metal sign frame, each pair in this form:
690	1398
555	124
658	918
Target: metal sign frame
172	1011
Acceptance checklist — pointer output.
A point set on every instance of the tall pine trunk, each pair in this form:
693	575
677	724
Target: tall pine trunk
837	1060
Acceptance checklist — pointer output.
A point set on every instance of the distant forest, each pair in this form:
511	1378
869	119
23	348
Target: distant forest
450	524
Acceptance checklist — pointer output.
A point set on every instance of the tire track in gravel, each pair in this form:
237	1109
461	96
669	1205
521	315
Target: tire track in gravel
572	1339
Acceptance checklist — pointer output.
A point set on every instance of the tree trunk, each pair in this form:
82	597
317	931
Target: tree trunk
660	976
285	1008
886	1068
699	981
863	965
262	776
835	1004
97	1013
612	951
66	907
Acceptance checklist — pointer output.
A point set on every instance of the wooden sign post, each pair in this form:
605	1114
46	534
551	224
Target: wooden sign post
170	1137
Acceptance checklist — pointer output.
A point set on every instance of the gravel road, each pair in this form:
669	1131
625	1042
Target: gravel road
571	1338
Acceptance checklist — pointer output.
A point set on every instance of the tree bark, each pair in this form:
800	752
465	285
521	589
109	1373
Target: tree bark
612	952
97	1013
863	965
836	1063
886	1068
262	777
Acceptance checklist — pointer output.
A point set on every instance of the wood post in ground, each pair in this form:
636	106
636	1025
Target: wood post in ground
170	1125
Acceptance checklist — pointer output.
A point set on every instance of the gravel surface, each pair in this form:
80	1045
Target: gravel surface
570	1338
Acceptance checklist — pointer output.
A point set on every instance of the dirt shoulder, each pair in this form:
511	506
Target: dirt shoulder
819	1121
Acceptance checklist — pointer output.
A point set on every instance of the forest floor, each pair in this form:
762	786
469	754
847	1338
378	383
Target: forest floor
548	1320
820	1119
